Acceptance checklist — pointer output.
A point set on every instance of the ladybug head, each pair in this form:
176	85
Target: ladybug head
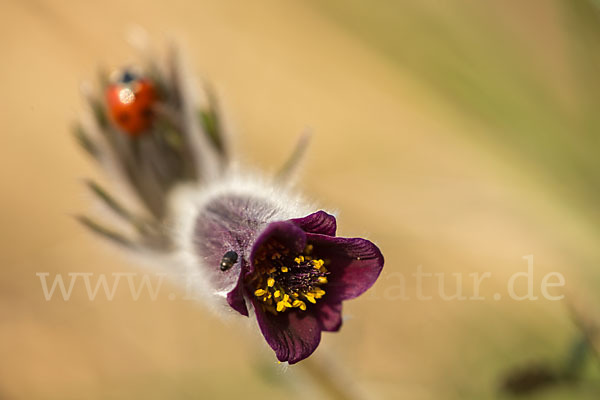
127	76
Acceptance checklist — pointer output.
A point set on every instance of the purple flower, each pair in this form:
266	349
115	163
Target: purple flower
293	273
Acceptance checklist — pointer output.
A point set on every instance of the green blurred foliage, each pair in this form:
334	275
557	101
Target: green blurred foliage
465	52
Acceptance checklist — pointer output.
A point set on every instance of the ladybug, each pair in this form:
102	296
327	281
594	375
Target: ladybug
130	100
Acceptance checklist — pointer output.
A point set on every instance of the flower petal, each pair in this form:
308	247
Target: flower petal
329	315
354	264
235	298
318	222
293	335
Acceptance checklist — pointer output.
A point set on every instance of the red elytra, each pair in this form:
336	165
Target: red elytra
130	104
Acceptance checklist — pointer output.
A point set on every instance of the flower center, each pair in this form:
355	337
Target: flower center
284	280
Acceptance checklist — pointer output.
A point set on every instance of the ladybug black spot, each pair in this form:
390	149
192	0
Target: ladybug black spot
123	118
147	113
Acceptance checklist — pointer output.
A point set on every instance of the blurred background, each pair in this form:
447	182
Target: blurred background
459	136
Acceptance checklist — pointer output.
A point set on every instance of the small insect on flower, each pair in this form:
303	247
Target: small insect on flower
228	260
130	100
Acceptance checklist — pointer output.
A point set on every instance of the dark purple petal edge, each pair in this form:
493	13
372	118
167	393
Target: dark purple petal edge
318	222
354	265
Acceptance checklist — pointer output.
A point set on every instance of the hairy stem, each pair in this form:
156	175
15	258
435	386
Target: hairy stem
331	379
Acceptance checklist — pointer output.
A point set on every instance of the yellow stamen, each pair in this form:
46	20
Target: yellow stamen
283	305
299	303
272	289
